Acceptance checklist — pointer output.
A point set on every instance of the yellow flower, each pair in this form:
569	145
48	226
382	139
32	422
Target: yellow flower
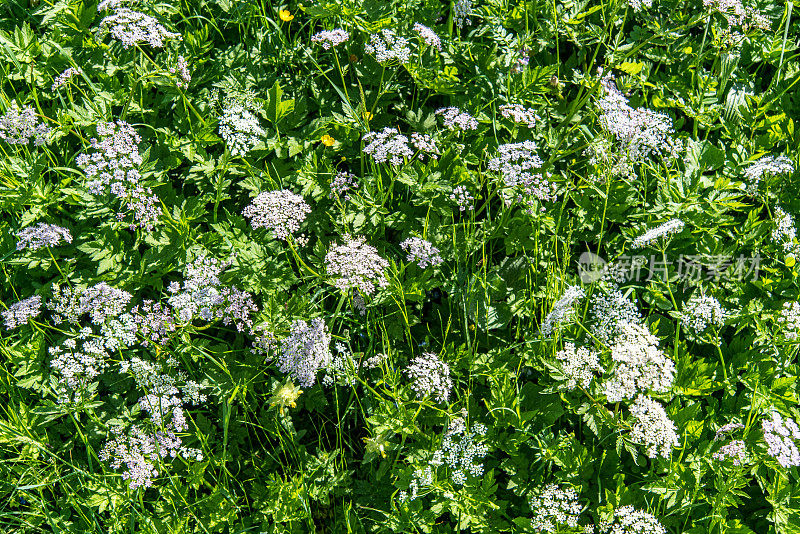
327	140
285	15
285	396
368	116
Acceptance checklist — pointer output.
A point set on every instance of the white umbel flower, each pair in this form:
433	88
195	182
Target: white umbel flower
132	27
356	265
702	311
782	437
239	127
652	428
330	39
421	251
554	507
430	376
386	46
673	226
640	366
280	211
578	365
305	351
628	520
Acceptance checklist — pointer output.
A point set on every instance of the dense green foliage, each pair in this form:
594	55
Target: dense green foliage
263	449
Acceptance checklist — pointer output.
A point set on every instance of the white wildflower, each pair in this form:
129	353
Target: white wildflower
430	376
354	264
578	366
702	311
652	428
305	351
386	46
421	251
673	226
640	366
553	508
428	35
281	211
782	437
563	309
330	39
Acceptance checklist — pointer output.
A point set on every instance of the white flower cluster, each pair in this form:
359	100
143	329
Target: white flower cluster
19	312
562	309
428	35
461	451
638	5
461	12
343	369
421	478
640	365
181	68
455	119
354	264
610	311
100	301
280	211
738	15
386	46
341	184
462	197
628	520
375	361
652	428
735	450
421	251
154	322
702	311
62	79
77	367
330	39
578	366
201	296
114	167
426	146
305	351
132	27
430	376
140	449
519	114
239	127
392	146
19	126
602	154
517	163
785	233
554	507
789	319
640	132
673	226
782	437
766	166
42	235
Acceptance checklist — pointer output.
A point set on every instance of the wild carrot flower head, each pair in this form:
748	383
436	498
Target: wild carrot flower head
281	211
356	265
42	235
19	126
330	39
132	27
